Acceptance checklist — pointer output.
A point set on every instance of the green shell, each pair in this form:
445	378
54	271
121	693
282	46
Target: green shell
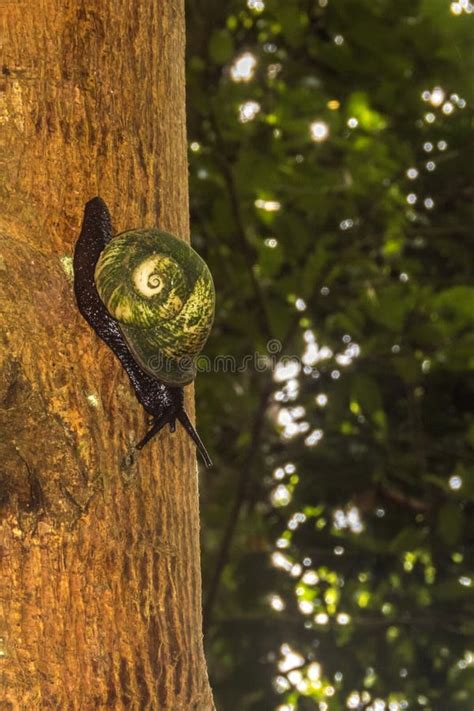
162	295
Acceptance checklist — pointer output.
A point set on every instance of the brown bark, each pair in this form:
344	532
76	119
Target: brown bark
100	589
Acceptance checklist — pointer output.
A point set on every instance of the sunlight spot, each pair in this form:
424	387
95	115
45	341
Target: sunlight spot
352	122
348	519
256	5
346	224
338	39
93	400
313	354
322	399
353	700
281	496
66	263
295	521
295	677
313	438
270	47
310	577
321	618
243	67
248	111
319	131
277	603
281	684
462	6
274	70
455	483
442	145
286	370
291	389
195	146
297	412
281	561
271	242
314	671
352	351
268	205
291	659
448	108
437	96
284	417
306	607
412	173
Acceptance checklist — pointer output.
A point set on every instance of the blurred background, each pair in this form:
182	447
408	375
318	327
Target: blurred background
331	165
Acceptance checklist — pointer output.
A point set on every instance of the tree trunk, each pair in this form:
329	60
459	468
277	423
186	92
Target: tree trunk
100	588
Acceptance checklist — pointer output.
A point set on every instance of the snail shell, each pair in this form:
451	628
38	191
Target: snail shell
161	293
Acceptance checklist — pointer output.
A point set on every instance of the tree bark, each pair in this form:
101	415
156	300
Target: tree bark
100	588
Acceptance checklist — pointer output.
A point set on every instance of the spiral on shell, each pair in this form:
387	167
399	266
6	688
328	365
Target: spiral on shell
161	293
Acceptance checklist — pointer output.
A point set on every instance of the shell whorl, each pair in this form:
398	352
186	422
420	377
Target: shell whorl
161	293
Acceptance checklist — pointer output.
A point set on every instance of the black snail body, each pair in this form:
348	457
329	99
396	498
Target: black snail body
150	297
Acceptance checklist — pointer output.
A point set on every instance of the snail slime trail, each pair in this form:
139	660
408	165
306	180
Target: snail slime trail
151	298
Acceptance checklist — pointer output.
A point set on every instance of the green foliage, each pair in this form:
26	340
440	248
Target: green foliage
337	519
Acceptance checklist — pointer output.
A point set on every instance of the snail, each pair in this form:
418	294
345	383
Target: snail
151	298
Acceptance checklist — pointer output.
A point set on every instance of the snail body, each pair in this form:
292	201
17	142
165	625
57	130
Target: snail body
151	298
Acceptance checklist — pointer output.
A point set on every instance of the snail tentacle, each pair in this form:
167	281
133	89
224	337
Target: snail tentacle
182	416
158	425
